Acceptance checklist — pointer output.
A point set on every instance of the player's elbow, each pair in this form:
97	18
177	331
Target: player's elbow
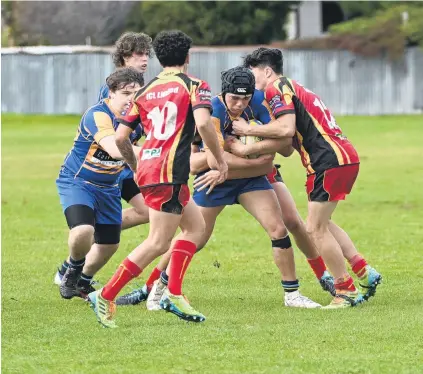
201	125
120	138
287	151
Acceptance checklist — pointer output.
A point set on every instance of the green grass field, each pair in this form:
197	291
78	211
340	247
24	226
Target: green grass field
248	329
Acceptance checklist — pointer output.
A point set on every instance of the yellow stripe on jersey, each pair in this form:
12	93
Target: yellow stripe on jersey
287	94
220	137
114	171
100	186
171	156
334	146
104	125
90	154
292	85
310	170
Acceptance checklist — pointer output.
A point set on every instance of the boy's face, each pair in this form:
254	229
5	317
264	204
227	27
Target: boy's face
138	61
261	75
236	104
121	98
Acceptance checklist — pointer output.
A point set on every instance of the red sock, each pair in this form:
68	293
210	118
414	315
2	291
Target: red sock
318	266
182	253
155	274
358	265
126	271
345	283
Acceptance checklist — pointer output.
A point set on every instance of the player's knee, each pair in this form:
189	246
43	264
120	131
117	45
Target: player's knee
159	243
293	223
139	207
316	228
196	230
81	236
276	230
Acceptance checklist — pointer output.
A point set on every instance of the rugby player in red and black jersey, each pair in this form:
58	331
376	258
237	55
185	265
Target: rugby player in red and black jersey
332	165
170	107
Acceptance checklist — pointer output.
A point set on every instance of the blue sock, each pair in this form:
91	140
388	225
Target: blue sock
164	277
76	263
290	286
64	267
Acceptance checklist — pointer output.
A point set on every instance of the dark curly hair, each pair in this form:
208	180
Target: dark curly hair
122	77
172	47
271	57
130	43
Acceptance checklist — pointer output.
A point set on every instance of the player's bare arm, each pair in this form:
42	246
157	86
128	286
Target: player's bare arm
287	150
125	147
208	134
198	163
282	127
266	146
108	143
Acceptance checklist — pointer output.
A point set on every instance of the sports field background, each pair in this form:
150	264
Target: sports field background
232	281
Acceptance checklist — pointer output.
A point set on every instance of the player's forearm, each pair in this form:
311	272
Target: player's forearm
208	134
283	127
200	162
127	150
264	147
236	163
251	171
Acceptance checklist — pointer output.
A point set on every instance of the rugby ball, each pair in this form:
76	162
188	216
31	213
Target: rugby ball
247	140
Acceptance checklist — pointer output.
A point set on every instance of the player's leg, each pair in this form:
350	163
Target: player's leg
210	207
107	238
325	189
78	206
163	226
209	215
296	226
131	217
138	214
369	278
165	203
263	205
192	234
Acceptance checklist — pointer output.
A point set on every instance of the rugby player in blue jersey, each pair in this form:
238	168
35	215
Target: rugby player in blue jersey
247	185
88	185
131	50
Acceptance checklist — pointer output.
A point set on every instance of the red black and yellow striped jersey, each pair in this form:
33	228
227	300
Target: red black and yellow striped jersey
318	138
165	107
87	159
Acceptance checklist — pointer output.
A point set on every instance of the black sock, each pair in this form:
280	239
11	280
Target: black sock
64	267
164	277
76	263
84	280
290	286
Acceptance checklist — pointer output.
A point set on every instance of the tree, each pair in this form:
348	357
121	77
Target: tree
385	27
214	22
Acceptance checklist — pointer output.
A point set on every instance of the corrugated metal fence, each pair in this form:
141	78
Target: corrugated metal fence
66	83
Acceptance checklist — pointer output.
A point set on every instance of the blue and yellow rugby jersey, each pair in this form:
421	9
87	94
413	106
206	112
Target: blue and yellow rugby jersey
258	109
87	159
138	132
